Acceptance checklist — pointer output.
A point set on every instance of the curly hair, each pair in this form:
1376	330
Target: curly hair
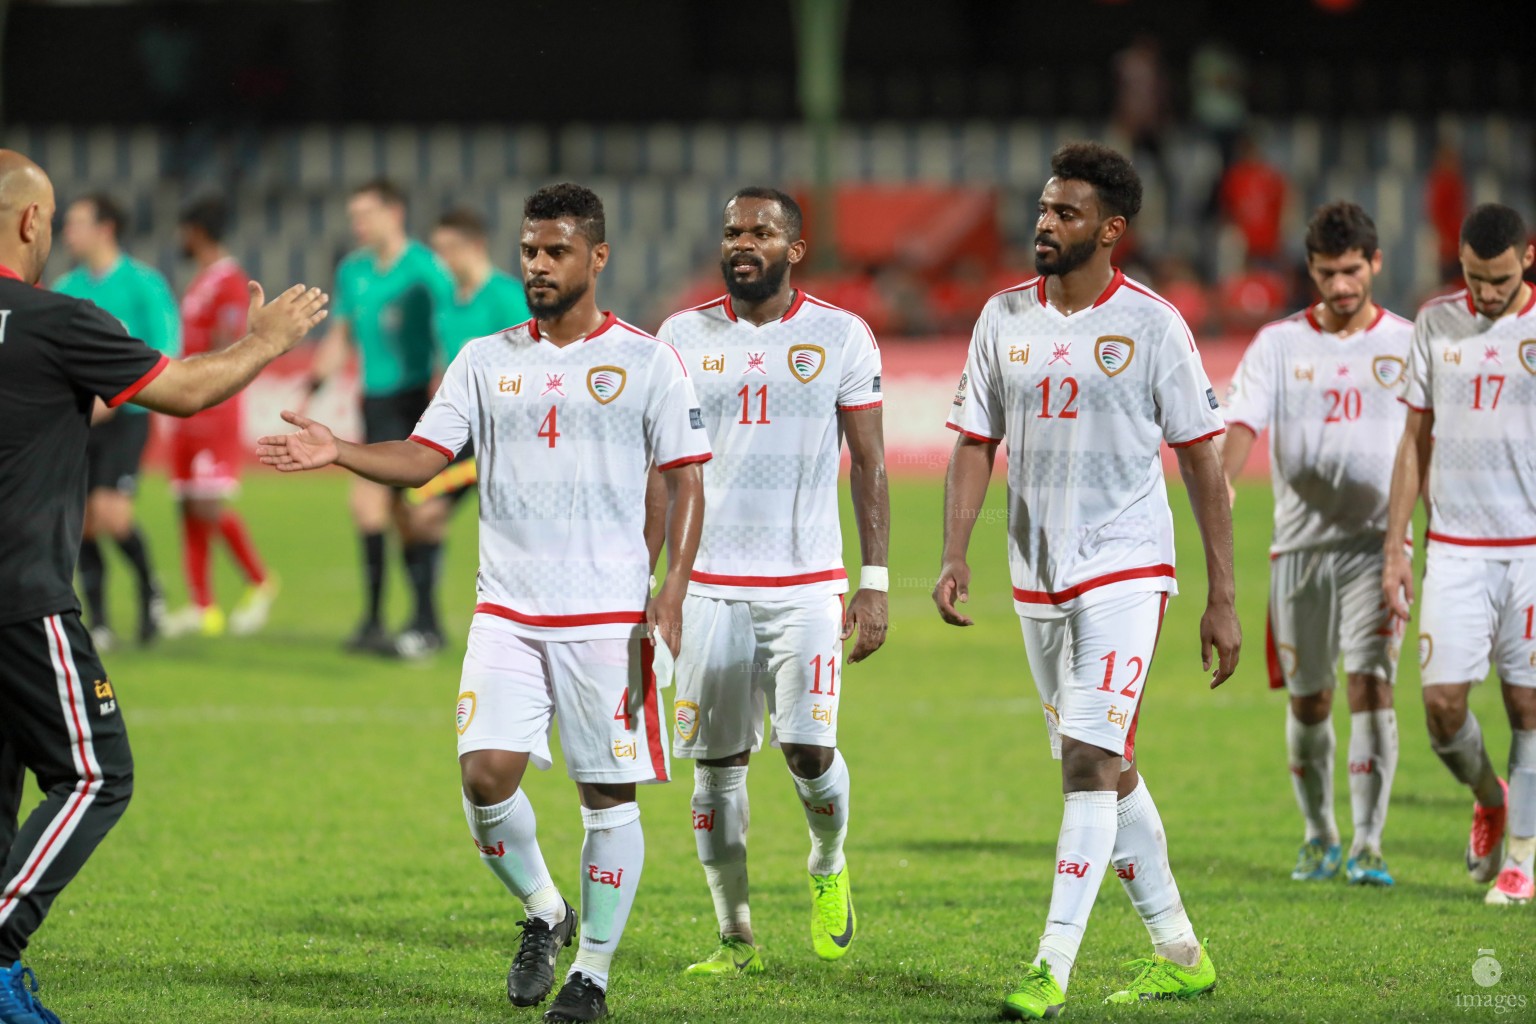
1114	180
1340	226
794	219
567	199
1492	229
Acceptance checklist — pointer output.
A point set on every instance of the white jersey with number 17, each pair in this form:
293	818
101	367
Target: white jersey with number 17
564	438
1084	403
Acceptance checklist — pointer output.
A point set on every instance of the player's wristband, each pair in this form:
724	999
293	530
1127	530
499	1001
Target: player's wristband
875	577
653	581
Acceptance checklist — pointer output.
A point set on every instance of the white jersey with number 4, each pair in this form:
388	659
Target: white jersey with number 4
1084	403
771	396
1331	406
1478	377
564	438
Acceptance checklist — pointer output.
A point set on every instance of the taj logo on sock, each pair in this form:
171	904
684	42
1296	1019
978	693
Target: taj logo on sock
1072	867
704	822
829	810
1128	872
601	877
499	850
1360	767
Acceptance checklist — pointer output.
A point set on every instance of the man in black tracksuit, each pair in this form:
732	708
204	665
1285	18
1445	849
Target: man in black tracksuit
59	714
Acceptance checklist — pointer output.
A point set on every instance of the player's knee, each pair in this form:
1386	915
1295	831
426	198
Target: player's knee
485	781
808	762
1444	712
1313	708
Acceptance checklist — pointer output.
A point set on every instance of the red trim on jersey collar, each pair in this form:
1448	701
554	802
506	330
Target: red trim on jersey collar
140	384
608	321
1381	312
6	271
794	307
1530	303
1471	307
1114	285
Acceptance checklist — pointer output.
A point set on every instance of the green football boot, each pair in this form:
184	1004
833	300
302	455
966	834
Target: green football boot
1036	997
1159	978
735	956
832	918
1316	862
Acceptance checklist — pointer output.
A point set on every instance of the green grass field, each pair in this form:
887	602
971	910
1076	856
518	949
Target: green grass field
296	849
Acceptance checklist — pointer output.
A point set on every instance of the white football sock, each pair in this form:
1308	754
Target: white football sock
1372	763
1311	752
612	858
826	812
720	819
507	836
1522	798
1465	755
1141	861
1083	851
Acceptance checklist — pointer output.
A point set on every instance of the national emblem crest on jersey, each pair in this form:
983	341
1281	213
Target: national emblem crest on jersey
1113	353
1426	649
1528	355
806	361
606	383
686	714
465	712
1388	370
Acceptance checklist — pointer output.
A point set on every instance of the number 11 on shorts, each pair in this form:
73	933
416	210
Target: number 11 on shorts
831	690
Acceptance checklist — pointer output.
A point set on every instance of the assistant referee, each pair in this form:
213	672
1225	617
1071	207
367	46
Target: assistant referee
59	712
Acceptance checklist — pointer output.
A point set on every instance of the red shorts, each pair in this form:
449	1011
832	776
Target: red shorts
206	452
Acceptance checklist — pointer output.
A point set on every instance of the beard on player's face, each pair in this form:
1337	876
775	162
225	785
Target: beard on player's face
1063	259
753	288
550	302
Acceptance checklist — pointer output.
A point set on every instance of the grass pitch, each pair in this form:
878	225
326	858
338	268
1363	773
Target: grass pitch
296	851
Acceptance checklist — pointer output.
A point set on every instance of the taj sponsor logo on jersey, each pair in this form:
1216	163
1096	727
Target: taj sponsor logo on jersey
1113	353
507	384
105	694
1303	371
713	364
1018	355
605	383
806	362
1451	354
464	713
1527	352
1387	370
685	713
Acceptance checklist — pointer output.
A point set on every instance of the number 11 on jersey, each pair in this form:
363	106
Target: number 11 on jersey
746	394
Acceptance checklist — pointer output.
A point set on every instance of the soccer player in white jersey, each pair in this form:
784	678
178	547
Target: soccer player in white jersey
1471	399
1325	384
781	378
1085	373
566	412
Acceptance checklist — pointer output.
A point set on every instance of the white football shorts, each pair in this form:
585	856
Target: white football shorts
741	660
1091	665
1324	602
1477	612
602	691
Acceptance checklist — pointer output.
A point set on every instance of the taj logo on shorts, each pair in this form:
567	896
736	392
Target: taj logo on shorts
1113	353
1388	370
821	714
806	361
686	714
704	822
1117	717
606	383
465	712
1426	649
1078	868
601	877
1528	355
625	751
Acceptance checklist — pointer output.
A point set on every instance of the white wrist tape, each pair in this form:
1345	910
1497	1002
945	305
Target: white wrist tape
875	577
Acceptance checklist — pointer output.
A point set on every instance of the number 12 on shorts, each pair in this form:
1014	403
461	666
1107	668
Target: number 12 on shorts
1109	674
831	661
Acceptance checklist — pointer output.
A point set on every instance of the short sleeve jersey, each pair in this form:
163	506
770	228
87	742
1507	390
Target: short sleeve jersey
771	398
389	311
138	295
1478	377
57	355
1084	403
564	439
497	304
1331	407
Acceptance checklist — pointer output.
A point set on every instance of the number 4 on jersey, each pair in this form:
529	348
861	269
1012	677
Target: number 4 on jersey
547	428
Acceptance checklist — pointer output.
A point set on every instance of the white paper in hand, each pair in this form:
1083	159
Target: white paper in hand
662	663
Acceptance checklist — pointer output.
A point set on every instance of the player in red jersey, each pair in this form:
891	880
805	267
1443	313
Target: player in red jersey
206	449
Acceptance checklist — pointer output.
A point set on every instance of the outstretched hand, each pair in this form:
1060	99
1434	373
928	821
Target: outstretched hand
312	447
288	318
